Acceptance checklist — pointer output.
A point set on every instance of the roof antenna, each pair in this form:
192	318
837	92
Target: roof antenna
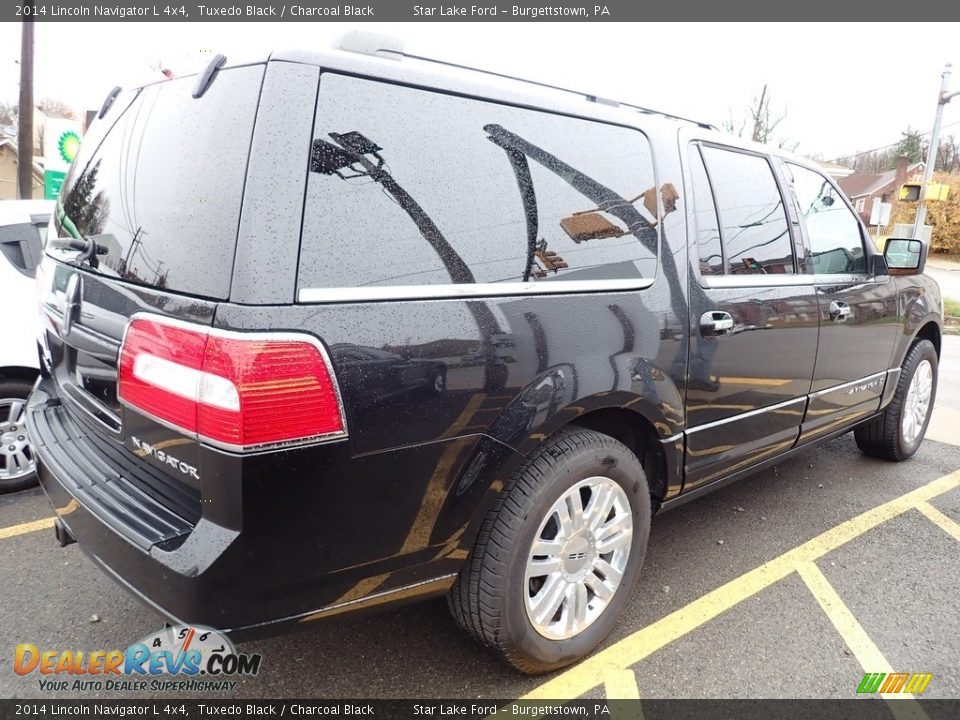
206	77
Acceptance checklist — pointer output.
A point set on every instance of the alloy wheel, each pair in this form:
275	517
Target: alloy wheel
578	557
16	456
917	404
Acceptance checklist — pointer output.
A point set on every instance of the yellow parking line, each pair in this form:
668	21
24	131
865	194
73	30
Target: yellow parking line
25	528
850	629
622	685
593	671
949	525
856	638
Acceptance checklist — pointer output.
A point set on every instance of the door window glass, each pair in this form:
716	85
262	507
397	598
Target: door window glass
705	211
753	223
832	229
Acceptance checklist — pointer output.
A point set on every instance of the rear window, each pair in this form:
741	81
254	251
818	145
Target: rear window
162	190
414	187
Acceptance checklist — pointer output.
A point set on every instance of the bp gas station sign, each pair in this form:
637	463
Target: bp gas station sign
61	142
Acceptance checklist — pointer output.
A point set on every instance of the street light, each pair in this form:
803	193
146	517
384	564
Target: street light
942	100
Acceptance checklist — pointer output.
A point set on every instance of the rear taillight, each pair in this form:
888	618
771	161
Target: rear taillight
241	391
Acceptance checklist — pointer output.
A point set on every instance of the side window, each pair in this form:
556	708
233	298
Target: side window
414	187
832	229
753	223
705	212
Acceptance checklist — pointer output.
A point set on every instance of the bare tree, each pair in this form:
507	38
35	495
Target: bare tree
8	113
760	121
948	155
913	145
57	108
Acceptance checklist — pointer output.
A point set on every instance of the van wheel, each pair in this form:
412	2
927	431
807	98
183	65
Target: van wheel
897	433
559	554
18	468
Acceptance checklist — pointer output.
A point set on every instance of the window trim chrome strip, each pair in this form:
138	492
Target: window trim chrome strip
848	279
757	281
466	290
793	280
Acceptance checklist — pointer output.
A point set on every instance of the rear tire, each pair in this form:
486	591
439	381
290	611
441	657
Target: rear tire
897	433
590	556
17	463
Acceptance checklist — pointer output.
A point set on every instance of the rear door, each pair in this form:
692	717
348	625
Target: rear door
753	316
857	311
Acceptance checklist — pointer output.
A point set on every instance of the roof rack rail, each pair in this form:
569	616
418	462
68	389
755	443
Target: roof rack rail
380	45
369	43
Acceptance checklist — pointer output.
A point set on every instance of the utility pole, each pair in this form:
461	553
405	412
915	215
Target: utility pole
942	99
25	112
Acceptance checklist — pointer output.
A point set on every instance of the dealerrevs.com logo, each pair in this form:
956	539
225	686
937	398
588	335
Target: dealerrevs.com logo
187	658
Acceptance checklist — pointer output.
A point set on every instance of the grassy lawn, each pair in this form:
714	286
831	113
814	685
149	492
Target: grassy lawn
951	307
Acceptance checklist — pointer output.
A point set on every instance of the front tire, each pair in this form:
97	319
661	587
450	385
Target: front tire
18	468
897	433
559	554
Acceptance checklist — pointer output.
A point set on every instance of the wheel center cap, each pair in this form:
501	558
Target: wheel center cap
577	556
10	438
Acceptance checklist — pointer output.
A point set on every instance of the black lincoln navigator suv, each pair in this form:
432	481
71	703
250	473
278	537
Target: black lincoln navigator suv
334	330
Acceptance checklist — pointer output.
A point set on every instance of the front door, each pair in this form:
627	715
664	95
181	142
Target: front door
753	317
858	312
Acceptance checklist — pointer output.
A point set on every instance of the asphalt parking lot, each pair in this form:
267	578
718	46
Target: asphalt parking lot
791	583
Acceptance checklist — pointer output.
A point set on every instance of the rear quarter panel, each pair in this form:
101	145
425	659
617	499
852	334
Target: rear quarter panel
516	369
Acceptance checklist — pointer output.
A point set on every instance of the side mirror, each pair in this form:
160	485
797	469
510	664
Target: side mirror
905	256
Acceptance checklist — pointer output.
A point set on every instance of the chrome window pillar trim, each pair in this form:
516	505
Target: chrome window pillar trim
841	386
465	290
749	413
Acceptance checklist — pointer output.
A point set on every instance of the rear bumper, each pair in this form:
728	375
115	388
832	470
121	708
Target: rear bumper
120	527
283	537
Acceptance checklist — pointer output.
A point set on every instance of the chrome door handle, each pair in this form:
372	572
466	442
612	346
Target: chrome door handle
839	310
715	323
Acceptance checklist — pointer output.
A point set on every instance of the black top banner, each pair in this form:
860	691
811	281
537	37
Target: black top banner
479	11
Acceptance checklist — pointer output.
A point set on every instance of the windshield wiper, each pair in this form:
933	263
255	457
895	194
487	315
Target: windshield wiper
88	248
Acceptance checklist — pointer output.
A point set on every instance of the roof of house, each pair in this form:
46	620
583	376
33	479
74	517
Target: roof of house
860	185
9	142
835	169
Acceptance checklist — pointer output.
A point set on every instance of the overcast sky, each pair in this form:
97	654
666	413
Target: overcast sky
844	87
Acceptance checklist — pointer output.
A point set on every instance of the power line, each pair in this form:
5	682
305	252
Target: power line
883	147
